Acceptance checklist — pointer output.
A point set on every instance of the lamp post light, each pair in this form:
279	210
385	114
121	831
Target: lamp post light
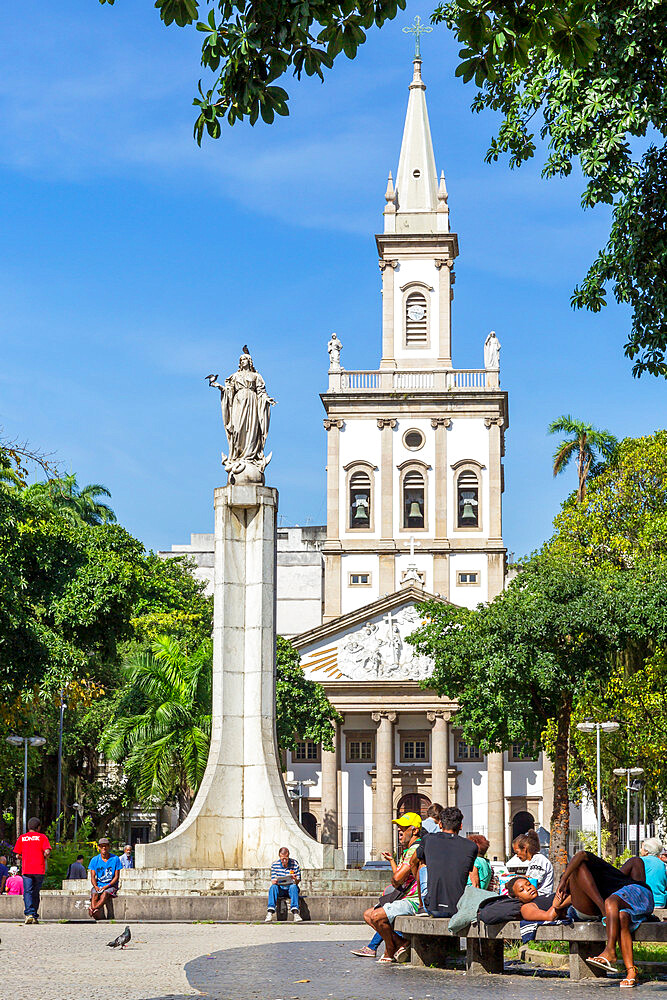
629	772
78	812
597	727
297	787
33	741
63	706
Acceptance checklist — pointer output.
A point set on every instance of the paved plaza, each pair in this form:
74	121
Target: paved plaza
241	962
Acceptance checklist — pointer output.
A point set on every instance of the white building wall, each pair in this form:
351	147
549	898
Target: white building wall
352	596
468	439
424	271
425	454
359	441
468	595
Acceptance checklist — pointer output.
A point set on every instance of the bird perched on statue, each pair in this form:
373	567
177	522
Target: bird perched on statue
121	940
211	378
245	349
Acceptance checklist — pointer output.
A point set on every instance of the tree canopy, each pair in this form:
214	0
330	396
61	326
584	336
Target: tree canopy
584	441
521	660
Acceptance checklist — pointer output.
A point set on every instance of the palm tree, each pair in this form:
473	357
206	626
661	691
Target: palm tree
63	494
584	441
164	746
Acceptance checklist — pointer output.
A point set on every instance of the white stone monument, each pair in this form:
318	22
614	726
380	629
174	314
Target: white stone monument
241	815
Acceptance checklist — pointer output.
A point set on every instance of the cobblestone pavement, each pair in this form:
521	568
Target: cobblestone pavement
241	962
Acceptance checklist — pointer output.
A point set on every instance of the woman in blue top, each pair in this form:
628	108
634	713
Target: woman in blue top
656	870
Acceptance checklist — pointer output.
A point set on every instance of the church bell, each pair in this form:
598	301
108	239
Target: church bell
360	512
468	510
415	509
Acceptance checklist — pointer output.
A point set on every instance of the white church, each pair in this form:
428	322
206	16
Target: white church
414	511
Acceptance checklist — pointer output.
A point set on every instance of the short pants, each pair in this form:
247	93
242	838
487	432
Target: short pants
104	888
400	908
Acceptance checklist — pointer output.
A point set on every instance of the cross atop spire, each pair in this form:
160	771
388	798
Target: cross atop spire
417	29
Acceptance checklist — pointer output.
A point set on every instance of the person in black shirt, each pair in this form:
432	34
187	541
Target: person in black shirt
449	860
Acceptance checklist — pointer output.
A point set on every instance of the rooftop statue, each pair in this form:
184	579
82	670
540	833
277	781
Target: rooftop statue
246	411
492	352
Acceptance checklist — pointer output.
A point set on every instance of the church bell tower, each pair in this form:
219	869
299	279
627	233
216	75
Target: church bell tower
414	448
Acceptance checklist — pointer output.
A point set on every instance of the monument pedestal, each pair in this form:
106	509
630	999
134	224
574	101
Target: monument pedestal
241	815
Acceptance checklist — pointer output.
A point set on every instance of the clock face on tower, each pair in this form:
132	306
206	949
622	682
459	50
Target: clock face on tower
416	313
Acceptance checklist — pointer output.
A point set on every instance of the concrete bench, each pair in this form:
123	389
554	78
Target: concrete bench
431	943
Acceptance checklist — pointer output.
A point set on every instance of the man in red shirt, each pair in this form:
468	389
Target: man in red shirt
34	849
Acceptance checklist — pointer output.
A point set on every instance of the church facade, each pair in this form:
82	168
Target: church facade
414	512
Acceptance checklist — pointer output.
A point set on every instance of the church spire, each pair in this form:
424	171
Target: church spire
417	179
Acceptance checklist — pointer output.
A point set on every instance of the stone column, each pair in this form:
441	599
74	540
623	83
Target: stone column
332	565
445	311
439	756
387	268
494	526
383	813
386	426
441	559
329	834
241	815
496	796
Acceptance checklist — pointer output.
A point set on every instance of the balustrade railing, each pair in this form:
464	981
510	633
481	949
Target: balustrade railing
411	380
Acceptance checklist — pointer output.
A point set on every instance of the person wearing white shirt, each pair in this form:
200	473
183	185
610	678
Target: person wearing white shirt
538	869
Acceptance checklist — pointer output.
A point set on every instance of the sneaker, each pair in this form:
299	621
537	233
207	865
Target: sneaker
29	920
297	916
270	914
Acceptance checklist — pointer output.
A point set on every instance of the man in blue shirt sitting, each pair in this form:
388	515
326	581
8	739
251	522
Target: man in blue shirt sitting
285	878
104	871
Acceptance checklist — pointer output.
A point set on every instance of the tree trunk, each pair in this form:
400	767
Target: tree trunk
184	803
560	819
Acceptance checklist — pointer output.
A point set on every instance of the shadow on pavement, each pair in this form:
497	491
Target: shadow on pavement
330	972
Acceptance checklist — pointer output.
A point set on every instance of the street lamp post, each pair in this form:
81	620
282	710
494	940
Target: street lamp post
297	787
33	741
63	706
629	772
597	727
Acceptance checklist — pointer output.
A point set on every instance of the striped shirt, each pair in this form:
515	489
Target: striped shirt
279	871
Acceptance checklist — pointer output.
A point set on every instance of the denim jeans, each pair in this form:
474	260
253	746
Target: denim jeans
423	883
277	892
31	886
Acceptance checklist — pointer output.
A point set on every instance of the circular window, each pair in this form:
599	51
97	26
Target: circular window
416	173
413	439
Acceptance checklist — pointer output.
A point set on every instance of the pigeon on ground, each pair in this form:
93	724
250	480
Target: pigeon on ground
121	940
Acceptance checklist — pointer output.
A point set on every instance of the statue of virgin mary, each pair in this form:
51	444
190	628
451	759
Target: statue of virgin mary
246	411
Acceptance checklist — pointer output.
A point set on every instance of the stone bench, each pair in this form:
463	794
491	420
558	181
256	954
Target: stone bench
431	943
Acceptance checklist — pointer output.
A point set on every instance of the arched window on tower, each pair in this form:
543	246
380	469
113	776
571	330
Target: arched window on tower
360	500
416	320
413	499
467	499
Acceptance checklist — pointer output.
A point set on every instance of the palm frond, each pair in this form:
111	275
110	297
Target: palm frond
563	454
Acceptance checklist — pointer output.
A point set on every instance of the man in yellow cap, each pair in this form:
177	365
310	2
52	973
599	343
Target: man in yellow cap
403	899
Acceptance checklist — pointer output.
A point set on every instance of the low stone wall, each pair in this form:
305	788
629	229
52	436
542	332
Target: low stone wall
188	909
250	882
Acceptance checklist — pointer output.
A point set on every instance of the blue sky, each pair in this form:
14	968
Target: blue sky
134	263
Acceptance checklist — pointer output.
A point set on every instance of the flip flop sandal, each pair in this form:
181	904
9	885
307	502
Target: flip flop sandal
630	982
364	952
402	954
602	963
385	960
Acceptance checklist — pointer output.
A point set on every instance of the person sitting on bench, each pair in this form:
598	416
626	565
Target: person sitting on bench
449	860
